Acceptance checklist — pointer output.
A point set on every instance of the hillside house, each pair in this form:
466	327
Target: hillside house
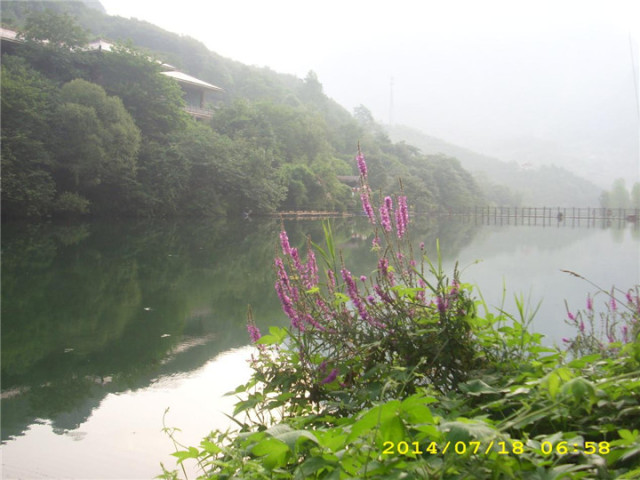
199	95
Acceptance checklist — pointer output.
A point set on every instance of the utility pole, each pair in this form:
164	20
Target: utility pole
391	102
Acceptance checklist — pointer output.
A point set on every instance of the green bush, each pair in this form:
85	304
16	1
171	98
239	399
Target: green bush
70	203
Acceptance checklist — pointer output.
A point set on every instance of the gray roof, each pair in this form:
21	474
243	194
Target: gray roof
188	79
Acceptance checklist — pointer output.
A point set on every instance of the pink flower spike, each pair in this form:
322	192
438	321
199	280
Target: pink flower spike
613	303
362	164
254	332
385	219
402	216
284	243
366	206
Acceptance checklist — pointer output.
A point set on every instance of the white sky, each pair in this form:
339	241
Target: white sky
294	36
479	73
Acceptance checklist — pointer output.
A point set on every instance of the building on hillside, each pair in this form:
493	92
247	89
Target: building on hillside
199	95
100	46
8	40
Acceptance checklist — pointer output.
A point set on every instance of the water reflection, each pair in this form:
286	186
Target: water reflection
101	308
92	309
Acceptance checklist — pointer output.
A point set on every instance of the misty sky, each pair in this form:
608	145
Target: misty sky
532	81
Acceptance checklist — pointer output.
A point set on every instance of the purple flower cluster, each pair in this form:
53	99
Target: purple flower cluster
442	303
362	165
612	303
366	204
254	332
354	295
311	270
386	210
402	216
284	243
287	294
384	271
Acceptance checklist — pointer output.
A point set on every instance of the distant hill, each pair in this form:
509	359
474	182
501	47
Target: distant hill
508	181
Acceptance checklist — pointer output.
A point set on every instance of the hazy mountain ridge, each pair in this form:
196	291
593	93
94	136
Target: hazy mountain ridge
528	183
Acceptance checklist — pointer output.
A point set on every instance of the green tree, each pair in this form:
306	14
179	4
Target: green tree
163	174
96	142
153	100
53	41
27	185
54	30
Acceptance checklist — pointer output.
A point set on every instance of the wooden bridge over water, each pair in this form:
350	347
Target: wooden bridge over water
549	216
535	216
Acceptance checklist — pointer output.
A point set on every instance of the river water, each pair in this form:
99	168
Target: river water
107	325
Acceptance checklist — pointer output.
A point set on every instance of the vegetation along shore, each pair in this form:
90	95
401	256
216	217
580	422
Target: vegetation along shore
405	374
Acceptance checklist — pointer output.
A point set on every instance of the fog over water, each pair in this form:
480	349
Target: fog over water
536	82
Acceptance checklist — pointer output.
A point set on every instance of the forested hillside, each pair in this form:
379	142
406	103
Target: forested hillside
104	133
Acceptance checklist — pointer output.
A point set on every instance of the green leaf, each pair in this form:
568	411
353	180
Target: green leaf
341	297
477	387
553	380
276	336
628	435
274	452
210	447
393	430
415	407
372	418
293	438
183	455
314	465
332	440
582	391
465	430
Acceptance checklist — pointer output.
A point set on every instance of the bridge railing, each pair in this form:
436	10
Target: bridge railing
547	215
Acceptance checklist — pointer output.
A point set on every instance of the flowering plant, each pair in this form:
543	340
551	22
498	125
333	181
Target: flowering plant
369	363
353	341
605	331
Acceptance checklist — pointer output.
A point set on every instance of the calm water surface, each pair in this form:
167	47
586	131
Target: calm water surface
106	325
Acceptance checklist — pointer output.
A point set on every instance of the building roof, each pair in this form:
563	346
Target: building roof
188	79
9	35
101	45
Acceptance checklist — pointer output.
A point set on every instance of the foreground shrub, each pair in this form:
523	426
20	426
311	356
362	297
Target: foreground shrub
396	375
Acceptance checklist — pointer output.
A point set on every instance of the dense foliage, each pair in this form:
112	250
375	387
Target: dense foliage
400	375
103	133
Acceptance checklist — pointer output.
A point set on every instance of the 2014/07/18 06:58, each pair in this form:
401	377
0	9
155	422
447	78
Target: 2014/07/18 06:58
502	448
